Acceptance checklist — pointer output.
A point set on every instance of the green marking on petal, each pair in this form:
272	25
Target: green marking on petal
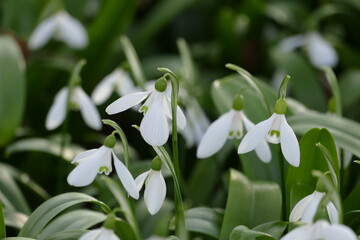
274	132
231	133
144	109
104	169
238	134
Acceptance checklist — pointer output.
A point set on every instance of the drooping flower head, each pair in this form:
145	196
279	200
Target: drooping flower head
78	100
321	230
101	233
228	126
274	130
99	160
117	80
155	187
62	27
154	127
321	52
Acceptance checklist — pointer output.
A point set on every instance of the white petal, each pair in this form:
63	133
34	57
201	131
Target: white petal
91	235
104	89
154	127
81	156
71	31
86	171
300	233
321	52
42	33
125	177
180	117
312	207
299	208
338	232
107	234
57	111
256	134
140	180
290	43
215	136
289	143
126	102
88	109
155	192
332	212
262	150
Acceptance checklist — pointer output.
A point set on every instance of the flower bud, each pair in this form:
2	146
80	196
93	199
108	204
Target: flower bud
238	102
161	85
280	106
156	164
110	141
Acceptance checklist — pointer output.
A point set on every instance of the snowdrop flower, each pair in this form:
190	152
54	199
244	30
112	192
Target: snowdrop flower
196	125
230	125
99	160
275	130
100	234
118	80
78	99
62	27
320	51
154	127
306	209
321	230
155	187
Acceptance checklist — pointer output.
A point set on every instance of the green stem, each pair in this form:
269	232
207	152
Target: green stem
2	223
283	182
122	136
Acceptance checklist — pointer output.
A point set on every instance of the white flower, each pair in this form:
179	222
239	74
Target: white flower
117	80
155	189
154	127
196	125
79	99
100	234
95	161
306	209
275	130
62	27
229	125
320	52
321	230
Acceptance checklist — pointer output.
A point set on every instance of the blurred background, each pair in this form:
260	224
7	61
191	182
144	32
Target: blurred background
254	34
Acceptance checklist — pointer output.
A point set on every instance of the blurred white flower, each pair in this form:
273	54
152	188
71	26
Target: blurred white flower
306	209
154	127
99	160
117	80
321	52
78	99
321	230
62	27
275	130
100	234
230	125
155	187
197	123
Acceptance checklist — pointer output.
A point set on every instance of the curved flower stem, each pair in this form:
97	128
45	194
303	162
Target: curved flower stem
122	136
73	81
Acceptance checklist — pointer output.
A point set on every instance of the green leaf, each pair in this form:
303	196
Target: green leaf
300	178
49	209
124	230
18	238
244	233
50	146
203	220
275	228
346	132
352	202
74	220
333	83
10	194
67	235
15	219
12	88
245	203
2	222
124	203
